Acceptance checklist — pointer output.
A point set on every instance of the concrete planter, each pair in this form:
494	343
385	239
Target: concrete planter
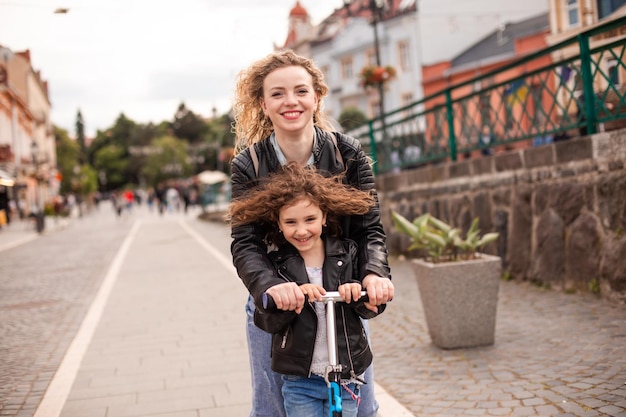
460	300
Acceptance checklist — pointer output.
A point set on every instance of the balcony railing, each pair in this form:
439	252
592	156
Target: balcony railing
565	89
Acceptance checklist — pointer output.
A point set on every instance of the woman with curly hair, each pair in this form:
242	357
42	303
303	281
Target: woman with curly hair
279	118
301	209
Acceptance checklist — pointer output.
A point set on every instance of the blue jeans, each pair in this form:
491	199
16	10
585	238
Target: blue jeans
308	397
267	398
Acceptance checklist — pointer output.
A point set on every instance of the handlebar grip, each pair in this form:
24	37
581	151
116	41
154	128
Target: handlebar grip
268	302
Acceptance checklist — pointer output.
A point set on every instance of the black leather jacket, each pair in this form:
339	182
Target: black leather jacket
248	248
293	336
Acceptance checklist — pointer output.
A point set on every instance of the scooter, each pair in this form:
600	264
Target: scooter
332	375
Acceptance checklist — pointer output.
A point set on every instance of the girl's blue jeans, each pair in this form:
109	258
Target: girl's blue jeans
308	397
267	398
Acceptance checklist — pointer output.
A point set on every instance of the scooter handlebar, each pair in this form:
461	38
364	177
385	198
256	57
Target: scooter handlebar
270	305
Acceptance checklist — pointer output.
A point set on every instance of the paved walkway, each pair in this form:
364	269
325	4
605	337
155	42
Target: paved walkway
164	336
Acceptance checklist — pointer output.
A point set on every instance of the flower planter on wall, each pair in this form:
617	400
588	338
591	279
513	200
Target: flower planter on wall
460	300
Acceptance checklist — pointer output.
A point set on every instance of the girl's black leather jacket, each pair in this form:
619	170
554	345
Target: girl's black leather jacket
248	248
293	336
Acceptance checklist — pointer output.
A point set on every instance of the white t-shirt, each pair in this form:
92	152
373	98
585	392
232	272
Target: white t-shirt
320	350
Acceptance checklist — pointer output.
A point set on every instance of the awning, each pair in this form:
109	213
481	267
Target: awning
212	177
6	179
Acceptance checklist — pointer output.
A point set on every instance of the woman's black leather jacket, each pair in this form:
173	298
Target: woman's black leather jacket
293	335
248	247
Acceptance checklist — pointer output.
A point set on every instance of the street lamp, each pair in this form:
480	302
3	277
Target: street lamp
39	215
376	7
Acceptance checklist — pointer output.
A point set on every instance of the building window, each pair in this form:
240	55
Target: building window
374	108
508	117
572	12
370	57
404	54
613	71
578	80
538	110
347	70
607	7
484	108
326	71
405	100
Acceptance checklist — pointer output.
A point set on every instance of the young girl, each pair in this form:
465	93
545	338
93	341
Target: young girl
301	209
278	111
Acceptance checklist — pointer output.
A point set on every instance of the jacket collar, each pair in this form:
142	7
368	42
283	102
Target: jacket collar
332	247
323	154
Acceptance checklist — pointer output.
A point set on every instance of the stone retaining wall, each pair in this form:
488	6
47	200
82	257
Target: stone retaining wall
560	209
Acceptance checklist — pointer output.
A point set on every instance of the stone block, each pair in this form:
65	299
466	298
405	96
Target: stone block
508	161
539	156
420	175
439	172
482	166
460	169
574	150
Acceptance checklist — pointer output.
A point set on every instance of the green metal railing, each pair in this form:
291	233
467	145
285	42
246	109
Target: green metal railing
565	89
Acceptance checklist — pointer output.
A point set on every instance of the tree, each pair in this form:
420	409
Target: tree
80	138
84	180
112	160
224	142
167	161
188	125
351	118
119	134
67	157
129	141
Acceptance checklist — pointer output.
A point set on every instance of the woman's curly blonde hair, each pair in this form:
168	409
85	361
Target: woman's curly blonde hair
290	185
251	125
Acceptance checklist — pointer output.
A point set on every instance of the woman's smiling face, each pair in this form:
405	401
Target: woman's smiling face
289	99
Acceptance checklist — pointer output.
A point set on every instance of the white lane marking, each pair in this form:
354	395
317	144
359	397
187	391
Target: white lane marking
227	262
54	399
18	242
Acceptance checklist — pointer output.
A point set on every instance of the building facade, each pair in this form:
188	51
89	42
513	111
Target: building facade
27	143
493	116
448	27
403	34
568	18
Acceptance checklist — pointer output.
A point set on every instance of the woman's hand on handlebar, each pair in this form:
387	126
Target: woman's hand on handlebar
287	296
350	292
379	290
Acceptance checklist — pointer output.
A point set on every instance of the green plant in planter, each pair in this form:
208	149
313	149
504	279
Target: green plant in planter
442	242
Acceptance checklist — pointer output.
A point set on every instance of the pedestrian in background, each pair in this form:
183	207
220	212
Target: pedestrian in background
278	119
302	209
486	141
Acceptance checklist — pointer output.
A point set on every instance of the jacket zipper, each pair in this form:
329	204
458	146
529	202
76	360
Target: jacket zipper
284	342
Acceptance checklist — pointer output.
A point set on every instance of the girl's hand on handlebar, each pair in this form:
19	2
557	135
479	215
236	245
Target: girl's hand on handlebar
287	296
350	292
312	291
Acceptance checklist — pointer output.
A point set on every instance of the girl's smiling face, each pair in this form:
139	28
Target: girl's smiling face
301	224
289	99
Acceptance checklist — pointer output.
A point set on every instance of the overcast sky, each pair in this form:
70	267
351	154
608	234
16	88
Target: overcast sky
144	57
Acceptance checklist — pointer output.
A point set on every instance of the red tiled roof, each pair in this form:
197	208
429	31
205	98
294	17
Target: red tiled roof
298	11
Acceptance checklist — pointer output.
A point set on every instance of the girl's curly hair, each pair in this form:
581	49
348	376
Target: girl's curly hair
250	124
289	186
